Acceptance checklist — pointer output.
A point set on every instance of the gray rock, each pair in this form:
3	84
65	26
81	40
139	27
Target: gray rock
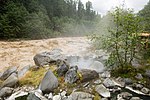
102	90
36	96
126	95
97	82
137	86
135	98
80	96
97	66
49	82
147	73
23	71
11	81
88	75
139	76
46	58
71	76
50	96
75	68
128	81
6	91
105	74
62	69
8	72
108	83
145	90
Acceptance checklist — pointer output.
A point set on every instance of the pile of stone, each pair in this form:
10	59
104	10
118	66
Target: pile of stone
87	80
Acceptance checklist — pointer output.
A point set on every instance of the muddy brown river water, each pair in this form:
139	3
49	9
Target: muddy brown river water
21	53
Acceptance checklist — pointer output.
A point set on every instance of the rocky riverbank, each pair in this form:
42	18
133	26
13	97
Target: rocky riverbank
62	77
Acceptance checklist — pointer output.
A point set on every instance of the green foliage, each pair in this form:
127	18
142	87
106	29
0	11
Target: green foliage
122	40
12	20
41	18
145	15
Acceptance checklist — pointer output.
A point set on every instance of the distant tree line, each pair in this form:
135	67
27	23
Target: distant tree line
145	15
43	18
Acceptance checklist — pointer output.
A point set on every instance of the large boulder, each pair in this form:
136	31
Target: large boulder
46	58
102	90
81	96
11	81
49	82
6	91
71	76
8	72
87	75
23	71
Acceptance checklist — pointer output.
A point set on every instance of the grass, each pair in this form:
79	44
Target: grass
32	77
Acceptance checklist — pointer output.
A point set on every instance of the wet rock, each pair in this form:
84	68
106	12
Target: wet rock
17	94
49	82
125	95
108	83
145	90
135	98
97	82
6	91
105	74
139	76
80	96
23	71
147	73
46	58
62	68
11	81
71	76
102	90
8	72
97	66
128	81
88	75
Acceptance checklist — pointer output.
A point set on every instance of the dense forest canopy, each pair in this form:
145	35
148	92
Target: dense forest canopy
43	18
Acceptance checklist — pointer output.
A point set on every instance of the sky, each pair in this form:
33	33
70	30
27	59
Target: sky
103	6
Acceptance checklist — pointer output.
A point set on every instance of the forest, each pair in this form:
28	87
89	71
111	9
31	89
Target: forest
45	18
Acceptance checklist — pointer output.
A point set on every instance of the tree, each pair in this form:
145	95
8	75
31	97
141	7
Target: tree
145	14
12	19
123	38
